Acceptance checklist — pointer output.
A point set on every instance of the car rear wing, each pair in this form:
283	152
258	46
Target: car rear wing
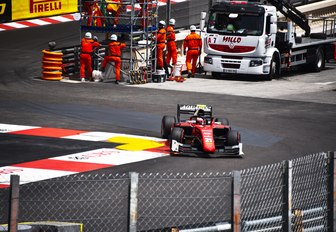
192	109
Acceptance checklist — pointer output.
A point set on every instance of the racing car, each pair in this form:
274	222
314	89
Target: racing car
200	133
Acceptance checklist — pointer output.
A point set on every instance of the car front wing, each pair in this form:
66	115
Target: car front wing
180	148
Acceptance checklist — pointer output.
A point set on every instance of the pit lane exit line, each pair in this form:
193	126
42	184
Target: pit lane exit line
132	149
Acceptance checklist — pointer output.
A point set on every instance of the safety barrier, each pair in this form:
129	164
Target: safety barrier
52	65
293	195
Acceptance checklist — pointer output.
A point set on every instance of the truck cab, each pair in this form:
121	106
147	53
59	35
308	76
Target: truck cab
240	38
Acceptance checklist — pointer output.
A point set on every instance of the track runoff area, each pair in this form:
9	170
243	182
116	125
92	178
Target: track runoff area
129	149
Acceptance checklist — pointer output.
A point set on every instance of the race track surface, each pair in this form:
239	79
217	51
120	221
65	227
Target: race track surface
279	120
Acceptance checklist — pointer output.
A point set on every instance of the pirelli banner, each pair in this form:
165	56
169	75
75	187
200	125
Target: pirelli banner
12	10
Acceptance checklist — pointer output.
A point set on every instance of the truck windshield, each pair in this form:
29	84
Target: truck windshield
246	24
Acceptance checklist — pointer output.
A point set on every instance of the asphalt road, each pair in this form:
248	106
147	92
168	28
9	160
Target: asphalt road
282	119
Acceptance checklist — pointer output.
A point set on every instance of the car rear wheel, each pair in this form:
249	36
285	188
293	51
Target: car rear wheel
167	125
233	138
223	121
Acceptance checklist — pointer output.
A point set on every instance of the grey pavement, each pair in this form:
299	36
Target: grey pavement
295	86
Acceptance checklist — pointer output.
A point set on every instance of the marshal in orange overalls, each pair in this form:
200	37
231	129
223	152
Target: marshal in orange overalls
171	46
160	46
114	56
85	57
194	44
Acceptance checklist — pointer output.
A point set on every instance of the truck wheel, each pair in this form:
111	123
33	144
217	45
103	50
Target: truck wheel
274	70
233	138
177	134
167	125
319	62
223	121
215	74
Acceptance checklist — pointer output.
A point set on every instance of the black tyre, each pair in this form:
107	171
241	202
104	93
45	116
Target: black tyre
319	60
166	126
275	69
233	138
216	74
177	134
223	121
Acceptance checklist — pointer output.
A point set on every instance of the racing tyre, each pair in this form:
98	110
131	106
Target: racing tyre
223	121
233	138
319	62
176	134
167	125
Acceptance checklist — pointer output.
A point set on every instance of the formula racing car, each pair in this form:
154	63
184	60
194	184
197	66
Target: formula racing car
200	133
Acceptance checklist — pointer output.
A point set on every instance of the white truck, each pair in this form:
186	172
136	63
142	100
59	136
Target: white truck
247	38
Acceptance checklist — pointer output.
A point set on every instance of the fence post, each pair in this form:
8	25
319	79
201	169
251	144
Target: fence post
331	190
236	195
14	203
287	195
133	201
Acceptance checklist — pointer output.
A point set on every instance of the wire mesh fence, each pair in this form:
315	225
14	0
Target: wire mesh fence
310	193
289	196
183	200
262	198
99	202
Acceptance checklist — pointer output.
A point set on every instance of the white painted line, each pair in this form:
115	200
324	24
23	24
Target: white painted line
70	81
38	22
61	19
92	136
110	156
7	128
28	175
325	83
16	25
104	136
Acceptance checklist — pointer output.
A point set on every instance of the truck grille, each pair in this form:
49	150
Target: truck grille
231	64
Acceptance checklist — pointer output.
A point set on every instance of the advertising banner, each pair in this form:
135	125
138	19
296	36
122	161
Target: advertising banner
25	9
5	10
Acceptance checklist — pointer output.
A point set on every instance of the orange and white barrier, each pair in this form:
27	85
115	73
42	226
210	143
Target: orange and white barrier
52	65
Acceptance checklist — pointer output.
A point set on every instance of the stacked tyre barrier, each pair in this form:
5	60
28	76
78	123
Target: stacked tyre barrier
52	65
138	76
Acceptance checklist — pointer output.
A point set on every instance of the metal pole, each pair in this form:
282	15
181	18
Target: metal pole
14	203
168	6
331	190
236	195
287	195
133	201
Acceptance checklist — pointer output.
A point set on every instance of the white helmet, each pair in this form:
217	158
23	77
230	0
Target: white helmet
192	28
172	22
163	23
88	35
114	37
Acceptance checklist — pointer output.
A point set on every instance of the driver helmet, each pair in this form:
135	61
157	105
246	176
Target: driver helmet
200	121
